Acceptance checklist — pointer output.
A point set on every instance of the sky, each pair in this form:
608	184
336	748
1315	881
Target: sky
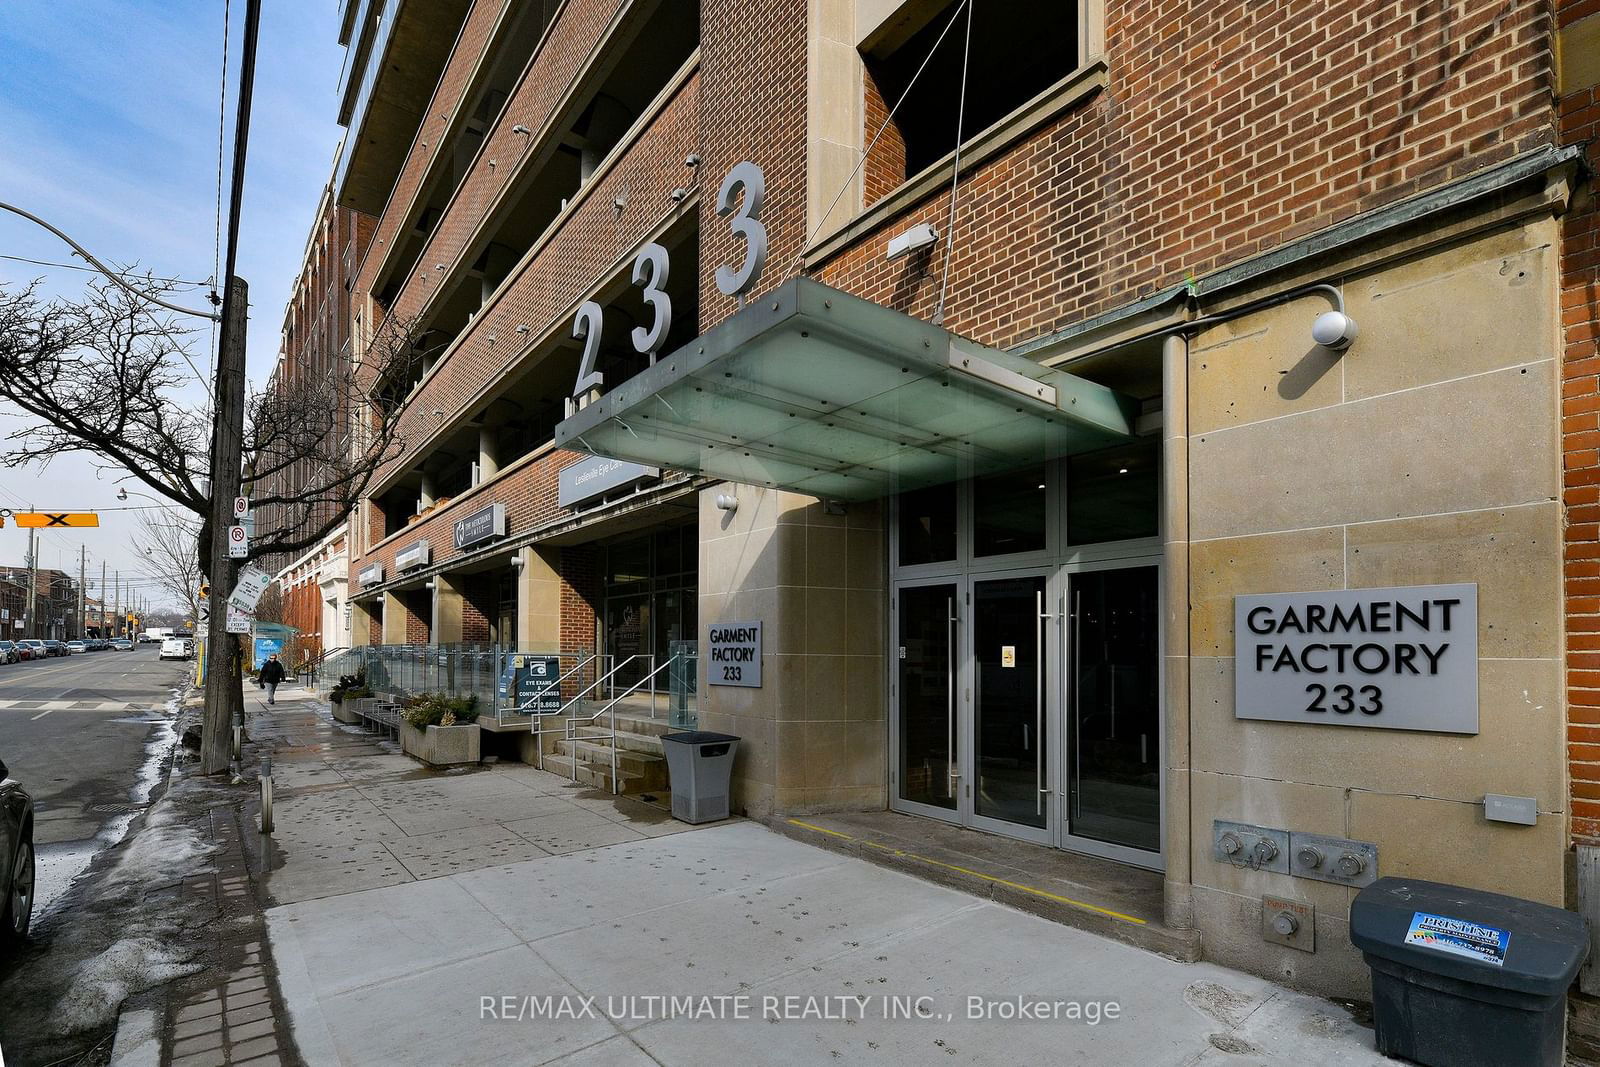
109	118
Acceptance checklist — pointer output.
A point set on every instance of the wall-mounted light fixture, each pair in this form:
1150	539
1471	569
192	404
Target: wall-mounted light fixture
727	502
917	237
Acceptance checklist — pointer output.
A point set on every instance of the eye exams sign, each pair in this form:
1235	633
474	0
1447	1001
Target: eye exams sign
1398	659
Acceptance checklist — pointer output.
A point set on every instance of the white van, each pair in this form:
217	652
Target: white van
174	648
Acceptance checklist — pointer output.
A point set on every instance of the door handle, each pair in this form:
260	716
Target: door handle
951	773
1038	702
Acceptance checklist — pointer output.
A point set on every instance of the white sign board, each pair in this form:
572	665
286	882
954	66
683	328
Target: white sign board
253	582
734	654
241	506
239	622
1396	659
238	543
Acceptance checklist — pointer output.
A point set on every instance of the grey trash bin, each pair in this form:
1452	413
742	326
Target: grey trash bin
1464	977
700	765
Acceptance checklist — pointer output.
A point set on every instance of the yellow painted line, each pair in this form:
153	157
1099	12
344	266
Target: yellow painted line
1046	894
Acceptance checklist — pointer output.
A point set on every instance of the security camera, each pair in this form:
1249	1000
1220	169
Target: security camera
1335	330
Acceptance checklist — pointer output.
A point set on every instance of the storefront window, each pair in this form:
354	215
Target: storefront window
1113	495
1008	512
928	525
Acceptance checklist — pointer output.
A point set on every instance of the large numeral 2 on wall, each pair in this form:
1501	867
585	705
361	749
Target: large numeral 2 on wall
586	328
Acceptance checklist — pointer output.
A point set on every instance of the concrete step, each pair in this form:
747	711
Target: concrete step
644	764
592	775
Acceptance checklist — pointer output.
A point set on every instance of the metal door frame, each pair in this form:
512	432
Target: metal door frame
896	802
1137	857
1050	710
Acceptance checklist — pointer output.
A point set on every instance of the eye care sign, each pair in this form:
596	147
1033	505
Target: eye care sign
1396	659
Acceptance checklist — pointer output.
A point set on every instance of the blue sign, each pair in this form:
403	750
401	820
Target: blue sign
1459	937
267	646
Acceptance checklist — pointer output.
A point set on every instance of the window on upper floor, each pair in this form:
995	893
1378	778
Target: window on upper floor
1019	50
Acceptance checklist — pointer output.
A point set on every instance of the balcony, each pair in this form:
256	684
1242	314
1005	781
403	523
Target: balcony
396	50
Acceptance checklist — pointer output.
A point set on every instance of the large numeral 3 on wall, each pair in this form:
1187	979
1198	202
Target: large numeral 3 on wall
748	177
650	272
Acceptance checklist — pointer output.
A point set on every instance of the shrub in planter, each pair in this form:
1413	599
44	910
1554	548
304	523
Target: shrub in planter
432	709
351	685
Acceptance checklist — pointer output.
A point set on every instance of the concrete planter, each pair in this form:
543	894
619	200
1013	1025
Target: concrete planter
345	711
441	746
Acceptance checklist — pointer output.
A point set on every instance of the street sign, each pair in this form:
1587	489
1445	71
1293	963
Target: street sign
238	543
241	506
38	520
239	622
253	581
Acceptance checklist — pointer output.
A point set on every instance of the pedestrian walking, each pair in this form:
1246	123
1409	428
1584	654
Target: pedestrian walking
271	675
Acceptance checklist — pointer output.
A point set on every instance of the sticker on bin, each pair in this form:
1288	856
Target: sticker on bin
1459	937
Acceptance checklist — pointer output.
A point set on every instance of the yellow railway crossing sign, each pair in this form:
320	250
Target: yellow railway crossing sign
40	520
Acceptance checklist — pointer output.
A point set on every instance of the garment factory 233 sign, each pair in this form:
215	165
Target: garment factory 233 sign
1397	659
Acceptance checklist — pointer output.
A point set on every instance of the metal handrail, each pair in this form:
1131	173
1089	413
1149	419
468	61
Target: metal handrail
573	725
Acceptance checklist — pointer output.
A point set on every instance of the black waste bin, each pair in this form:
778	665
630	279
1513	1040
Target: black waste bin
1464	977
700	766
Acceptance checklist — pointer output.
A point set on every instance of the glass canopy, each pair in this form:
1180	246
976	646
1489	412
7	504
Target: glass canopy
819	392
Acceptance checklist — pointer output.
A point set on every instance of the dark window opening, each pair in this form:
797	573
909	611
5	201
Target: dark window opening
1019	49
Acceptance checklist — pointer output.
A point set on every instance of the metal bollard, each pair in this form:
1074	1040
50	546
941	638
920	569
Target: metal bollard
266	794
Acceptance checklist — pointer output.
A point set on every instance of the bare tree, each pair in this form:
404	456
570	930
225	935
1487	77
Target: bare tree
112	376
170	546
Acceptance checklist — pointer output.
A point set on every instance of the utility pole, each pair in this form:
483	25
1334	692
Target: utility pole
83	562
103	599
33	583
116	619
224	697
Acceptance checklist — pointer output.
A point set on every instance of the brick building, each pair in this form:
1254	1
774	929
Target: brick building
316	344
1019	404
55	595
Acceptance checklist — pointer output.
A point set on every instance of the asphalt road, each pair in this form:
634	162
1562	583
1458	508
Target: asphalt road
73	731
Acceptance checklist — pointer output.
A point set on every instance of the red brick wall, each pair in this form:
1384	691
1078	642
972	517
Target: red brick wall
448	99
593	238
478	604
1580	424
1226	130
417	606
580	597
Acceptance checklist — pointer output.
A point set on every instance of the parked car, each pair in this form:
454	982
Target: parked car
75	647
174	648
34	648
9	652
16	859
52	647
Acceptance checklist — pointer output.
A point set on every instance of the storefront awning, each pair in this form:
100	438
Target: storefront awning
819	392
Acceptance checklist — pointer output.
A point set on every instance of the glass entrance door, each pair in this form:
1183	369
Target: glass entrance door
1009	653
1113	751
926	769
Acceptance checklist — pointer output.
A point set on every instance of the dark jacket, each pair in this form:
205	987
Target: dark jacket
271	672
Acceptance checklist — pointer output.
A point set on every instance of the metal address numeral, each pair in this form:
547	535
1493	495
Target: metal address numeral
586	328
746	176
650	272
652	267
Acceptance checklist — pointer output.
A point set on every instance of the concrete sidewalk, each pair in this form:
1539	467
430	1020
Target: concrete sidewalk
504	915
